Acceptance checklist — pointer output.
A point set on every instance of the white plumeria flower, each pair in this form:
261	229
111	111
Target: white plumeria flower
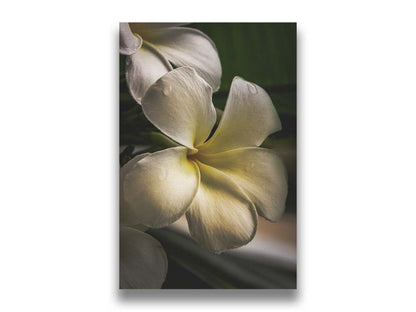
143	262
221	184
150	47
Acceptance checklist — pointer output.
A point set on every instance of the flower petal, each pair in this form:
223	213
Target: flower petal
220	216
157	189
180	105
124	171
143	68
188	47
249	117
143	262
140	27
259	172
130	165
129	43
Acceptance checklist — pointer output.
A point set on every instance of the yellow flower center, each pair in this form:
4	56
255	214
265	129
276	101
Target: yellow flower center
192	153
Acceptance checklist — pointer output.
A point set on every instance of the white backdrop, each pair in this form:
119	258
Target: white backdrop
59	159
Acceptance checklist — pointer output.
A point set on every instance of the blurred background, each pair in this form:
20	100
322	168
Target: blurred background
263	53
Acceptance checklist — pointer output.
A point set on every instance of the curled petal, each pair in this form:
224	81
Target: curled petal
157	189
249	117
220	216
141	27
259	172
143	262
188	47
129	43
143	68
180	105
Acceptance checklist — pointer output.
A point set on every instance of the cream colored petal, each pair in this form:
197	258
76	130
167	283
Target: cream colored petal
129	43
143	68
180	105
157	189
220	216
130	165
141	27
249	117
188	47
143	262
259	172
127	168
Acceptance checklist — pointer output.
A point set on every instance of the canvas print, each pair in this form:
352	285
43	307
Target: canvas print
207	156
